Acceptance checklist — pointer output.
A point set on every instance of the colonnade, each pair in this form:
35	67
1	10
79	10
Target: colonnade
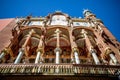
75	52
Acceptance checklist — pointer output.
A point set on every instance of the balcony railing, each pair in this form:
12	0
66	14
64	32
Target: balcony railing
59	69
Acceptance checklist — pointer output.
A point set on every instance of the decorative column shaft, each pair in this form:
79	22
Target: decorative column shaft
95	57
75	51
18	59
2	55
57	57
107	52
40	50
76	57
90	47
57	49
4	52
58	37
23	49
37	58
112	56
27	41
72	58
57	61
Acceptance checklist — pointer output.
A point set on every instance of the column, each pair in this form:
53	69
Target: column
112	56
2	55
72	58
58	37
57	57
75	51
19	57
38	57
105	48
95	58
90	47
40	50
76	57
4	52
23	50
57	61
57	49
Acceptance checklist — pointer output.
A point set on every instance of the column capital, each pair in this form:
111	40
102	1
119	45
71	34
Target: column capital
6	50
107	51
22	49
40	50
83	31
57	49
32	32
75	49
57	31
92	50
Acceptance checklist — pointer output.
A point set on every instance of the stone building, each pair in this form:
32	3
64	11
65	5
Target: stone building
58	47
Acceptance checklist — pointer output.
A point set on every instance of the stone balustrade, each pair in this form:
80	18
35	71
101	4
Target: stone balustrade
59	69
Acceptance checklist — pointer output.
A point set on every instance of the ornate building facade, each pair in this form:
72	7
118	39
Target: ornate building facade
59	47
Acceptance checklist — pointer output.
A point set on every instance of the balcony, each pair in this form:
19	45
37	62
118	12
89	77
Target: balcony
59	69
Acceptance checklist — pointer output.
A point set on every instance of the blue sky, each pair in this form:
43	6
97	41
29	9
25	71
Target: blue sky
107	10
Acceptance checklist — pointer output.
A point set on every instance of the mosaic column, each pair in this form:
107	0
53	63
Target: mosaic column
94	55
112	56
40	50
74	54
23	49
4	52
27	41
2	55
37	57
19	57
107	52
57	49
77	60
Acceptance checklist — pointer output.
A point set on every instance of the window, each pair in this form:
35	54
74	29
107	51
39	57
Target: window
76	23
81	24
59	20
36	23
